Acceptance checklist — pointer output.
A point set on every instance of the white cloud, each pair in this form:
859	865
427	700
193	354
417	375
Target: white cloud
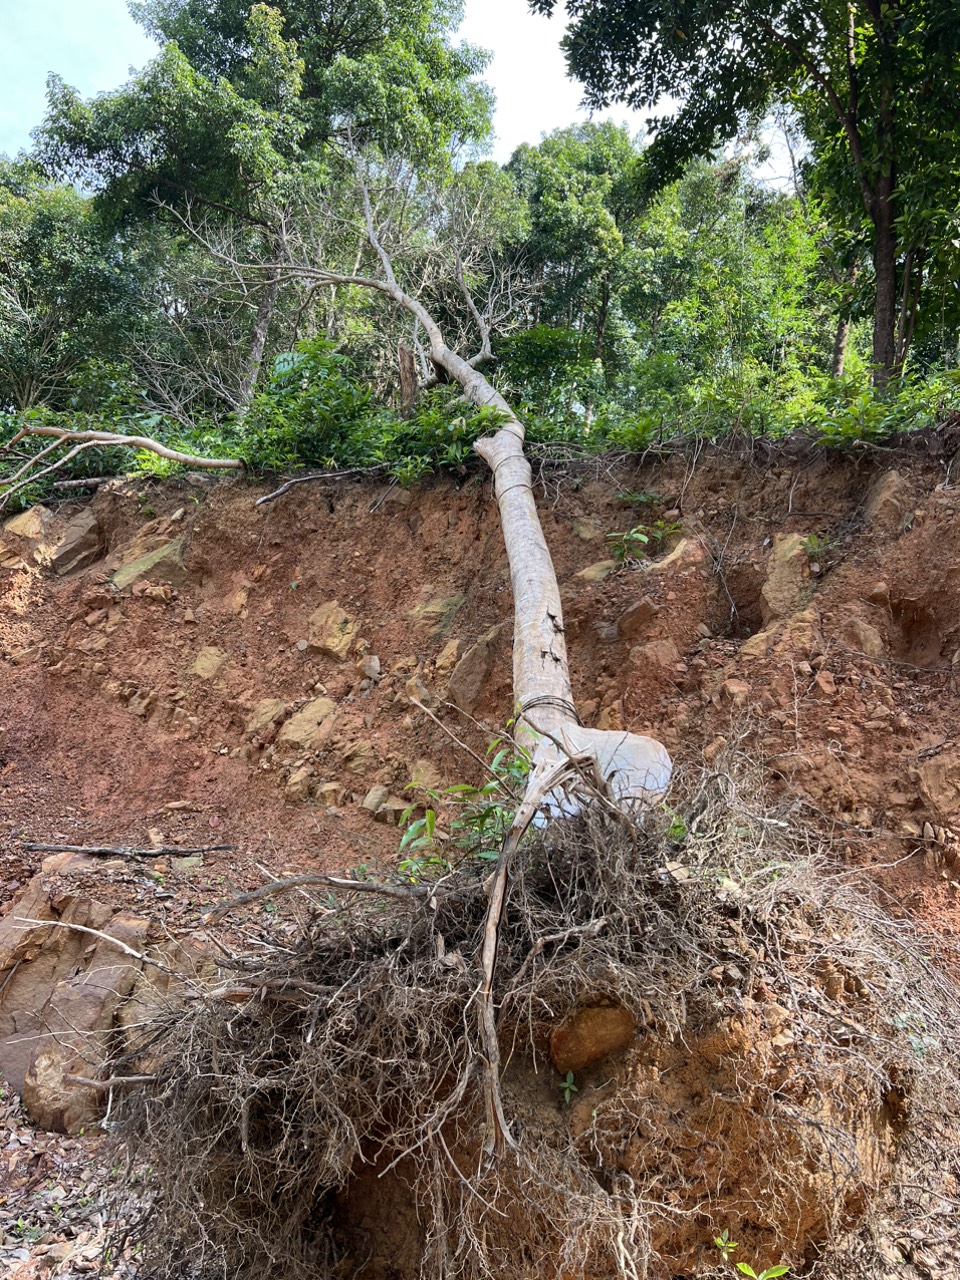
529	75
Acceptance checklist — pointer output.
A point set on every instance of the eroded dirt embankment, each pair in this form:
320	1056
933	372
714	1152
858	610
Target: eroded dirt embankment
181	669
213	694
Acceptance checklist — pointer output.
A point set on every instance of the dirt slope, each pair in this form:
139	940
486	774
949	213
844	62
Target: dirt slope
226	674
831	658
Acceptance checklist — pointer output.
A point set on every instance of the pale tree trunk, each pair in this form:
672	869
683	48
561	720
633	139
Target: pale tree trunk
67	445
842	334
570	765
258	340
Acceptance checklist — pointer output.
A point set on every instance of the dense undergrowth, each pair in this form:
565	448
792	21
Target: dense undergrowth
315	413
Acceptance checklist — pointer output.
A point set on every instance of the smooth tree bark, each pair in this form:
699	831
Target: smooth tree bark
261	325
258	341
842	333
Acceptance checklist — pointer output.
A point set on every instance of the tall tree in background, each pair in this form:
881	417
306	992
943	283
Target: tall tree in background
70	292
230	122
388	67
173	139
875	82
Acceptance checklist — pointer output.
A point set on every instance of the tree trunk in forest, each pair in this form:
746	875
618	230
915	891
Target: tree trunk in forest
842	335
258	339
840	340
885	272
603	312
409	386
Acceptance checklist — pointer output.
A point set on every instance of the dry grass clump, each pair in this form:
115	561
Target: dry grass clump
794	1065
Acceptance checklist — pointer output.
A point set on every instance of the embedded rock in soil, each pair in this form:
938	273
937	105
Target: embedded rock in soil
788	575
24	535
264	715
332	631
208	662
863	638
657	653
374	798
587	530
79	546
589	1035
310	727
299	785
60	996
439	612
887	501
689	553
470	674
447	659
164	562
596	572
939	781
636	620
384	806
425	775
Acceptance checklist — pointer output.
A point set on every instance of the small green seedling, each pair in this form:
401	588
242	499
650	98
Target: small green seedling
815	546
567	1087
634	544
677	832
725	1244
637	497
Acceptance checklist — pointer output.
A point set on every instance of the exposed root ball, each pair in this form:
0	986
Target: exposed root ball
744	1043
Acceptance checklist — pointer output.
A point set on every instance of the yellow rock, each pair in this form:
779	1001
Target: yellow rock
596	572
332	631
208	662
264	713
310	727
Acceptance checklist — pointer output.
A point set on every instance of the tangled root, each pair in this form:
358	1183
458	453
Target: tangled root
702	1029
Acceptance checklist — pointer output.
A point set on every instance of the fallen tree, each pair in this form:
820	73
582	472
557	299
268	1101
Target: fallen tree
571	765
68	444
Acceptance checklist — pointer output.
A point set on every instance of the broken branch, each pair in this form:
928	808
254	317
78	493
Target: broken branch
336	882
125	851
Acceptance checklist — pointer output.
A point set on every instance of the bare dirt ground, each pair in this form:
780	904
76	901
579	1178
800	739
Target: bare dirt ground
806	611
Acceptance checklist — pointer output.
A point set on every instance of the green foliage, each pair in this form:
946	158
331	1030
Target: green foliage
727	1248
634	544
176	136
725	1244
637	497
873	84
314	413
568	1088
479	816
386	66
70	294
311	413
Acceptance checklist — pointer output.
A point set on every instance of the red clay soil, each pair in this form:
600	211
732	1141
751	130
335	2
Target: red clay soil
849	696
806	612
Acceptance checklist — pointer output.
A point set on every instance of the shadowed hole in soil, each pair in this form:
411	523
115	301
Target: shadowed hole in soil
916	636
736	612
790	1071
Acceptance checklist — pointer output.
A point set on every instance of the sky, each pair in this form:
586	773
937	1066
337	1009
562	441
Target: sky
93	44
